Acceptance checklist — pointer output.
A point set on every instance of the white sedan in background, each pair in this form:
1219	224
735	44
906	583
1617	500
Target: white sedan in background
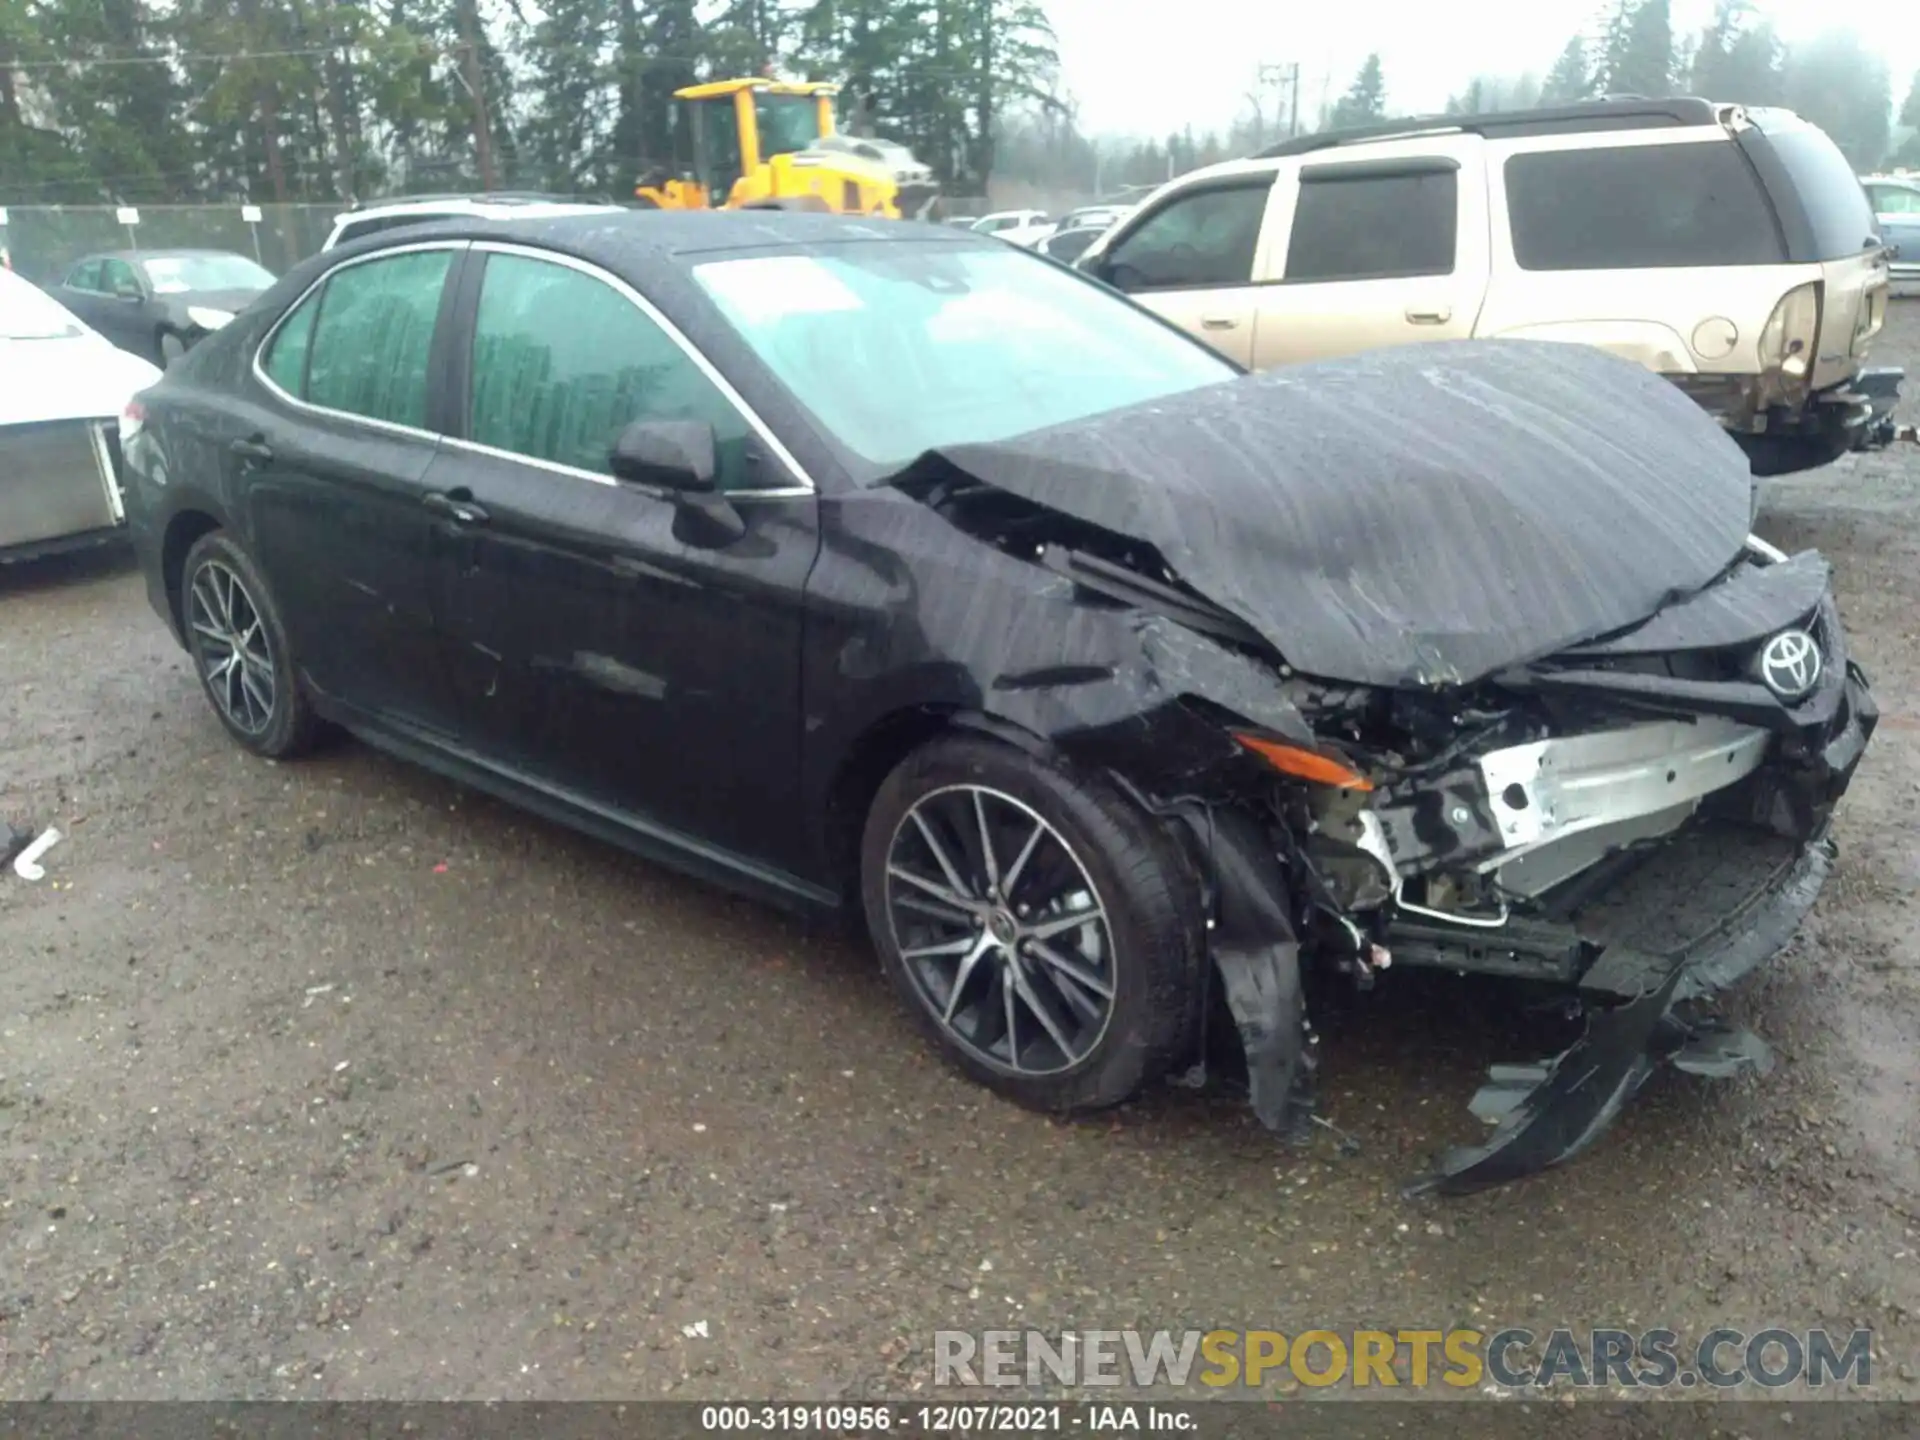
62	390
1025	228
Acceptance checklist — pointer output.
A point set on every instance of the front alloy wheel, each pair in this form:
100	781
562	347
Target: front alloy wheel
1001	929
1043	929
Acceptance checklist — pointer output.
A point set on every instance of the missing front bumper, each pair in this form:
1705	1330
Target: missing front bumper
1549	1112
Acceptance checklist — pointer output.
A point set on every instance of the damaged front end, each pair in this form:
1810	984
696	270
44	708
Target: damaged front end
1438	663
1629	826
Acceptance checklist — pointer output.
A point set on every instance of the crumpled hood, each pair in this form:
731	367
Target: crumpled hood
73	378
1410	517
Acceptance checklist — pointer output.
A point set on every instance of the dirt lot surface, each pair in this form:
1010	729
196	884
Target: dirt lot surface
332	1080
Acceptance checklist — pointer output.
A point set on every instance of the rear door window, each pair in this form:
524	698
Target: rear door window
1640	207
285	362
1372	226
373	334
1836	206
1205	238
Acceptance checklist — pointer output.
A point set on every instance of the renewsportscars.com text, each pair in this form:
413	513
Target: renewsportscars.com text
1415	1358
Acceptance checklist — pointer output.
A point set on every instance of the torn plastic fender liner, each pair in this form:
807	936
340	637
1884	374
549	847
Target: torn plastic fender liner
1257	956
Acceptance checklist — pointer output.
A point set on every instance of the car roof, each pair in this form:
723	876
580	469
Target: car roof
618	238
472	204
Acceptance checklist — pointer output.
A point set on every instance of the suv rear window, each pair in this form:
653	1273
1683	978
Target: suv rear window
1640	207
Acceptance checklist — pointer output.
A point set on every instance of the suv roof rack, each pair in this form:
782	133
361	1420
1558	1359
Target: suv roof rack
1615	112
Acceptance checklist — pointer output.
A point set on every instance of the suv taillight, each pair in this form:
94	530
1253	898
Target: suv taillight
131	419
1791	333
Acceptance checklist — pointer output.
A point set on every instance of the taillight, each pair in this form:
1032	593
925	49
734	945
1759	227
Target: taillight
1792	331
131	419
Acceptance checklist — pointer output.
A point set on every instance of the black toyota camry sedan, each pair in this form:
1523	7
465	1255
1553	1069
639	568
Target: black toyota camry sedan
884	567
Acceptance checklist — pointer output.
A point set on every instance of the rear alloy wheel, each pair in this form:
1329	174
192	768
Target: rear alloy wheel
1037	924
240	649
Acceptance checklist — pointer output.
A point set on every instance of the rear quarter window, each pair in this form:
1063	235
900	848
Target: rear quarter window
1640	207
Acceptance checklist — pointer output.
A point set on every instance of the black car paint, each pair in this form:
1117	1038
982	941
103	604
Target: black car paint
136	322
525	655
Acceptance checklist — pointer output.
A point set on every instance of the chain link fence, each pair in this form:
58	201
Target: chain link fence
42	241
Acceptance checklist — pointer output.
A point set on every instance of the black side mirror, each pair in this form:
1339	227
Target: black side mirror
668	454
678	456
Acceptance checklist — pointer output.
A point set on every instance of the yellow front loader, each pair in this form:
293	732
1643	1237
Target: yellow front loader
773	145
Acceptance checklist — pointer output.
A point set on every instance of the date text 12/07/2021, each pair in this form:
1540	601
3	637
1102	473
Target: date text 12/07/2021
960	1419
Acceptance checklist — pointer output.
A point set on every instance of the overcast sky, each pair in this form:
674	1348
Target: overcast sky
1153	66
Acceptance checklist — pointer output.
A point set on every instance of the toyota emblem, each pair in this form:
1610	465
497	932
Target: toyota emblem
1790	665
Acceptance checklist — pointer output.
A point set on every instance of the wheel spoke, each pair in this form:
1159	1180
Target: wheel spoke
932	887
1030	997
1013	1020
945	947
1054	960
1019	866
987	860
259	699
932	908
939	854
964	973
1060	924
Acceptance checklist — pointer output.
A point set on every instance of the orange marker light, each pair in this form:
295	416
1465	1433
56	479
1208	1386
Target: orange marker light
1304	764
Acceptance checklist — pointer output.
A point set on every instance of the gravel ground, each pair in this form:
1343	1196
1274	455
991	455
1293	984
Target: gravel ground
331	1080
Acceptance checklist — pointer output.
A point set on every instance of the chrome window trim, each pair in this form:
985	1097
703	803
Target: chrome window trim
391	427
706	367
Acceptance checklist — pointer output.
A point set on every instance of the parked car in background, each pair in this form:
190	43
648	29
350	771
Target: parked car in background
786	549
1100	217
379	216
1016	227
1896	205
62	390
1730	250
157	303
1069	242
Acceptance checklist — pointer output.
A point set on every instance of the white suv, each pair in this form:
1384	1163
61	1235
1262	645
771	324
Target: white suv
419	209
1731	250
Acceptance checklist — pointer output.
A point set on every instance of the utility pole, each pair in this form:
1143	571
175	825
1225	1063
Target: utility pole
1293	87
1272	78
476	82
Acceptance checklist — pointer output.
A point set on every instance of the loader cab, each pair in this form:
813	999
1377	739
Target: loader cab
727	130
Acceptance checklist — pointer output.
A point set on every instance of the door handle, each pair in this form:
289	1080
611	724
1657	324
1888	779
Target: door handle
457	508
1219	322
254	448
1429	317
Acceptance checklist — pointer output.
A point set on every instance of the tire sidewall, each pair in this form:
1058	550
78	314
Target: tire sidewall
1153	928
285	729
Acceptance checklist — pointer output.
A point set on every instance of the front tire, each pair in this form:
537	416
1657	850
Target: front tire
1044	932
240	650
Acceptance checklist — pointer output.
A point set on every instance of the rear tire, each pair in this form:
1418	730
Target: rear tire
1099	1006
240	650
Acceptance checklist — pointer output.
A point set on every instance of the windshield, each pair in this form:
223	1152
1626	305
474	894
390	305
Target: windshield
898	349
181	274
787	123
28	313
